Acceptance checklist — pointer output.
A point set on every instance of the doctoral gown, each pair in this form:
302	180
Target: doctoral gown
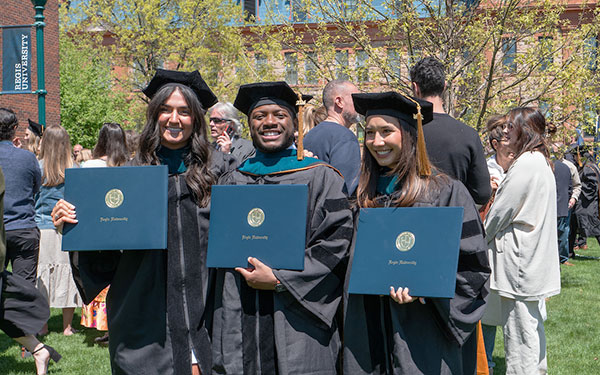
587	206
293	331
157	298
384	337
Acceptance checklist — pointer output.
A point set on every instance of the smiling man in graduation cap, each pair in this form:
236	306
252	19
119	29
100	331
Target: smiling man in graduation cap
276	321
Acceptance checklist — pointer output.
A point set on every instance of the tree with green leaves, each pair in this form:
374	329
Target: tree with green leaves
499	54
88	96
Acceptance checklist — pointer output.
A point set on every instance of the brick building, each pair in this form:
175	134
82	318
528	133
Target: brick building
21	12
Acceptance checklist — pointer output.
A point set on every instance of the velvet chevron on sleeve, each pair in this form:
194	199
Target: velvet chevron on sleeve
294	331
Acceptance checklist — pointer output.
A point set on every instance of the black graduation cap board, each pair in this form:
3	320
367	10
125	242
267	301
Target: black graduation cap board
250	95
35	128
412	111
191	79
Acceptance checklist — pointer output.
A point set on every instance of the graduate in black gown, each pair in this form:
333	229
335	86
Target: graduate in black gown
157	297
277	321
401	334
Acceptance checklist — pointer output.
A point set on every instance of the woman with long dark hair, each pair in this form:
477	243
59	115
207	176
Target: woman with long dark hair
156	300
54	277
400	334
523	246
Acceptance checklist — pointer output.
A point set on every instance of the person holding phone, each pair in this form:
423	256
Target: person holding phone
399	333
226	129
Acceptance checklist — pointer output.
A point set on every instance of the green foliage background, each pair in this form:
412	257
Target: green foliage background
555	64
88	98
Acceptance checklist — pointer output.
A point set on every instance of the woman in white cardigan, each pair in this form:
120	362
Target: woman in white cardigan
523	247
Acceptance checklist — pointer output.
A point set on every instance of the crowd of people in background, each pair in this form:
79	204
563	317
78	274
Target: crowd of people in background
528	206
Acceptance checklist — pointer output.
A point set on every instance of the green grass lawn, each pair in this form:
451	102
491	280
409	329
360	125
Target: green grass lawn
572	331
572	328
81	355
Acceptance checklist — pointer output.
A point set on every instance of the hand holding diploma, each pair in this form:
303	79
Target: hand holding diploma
402	296
63	212
259	277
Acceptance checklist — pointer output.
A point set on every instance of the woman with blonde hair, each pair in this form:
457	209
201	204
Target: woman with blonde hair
31	141
54	277
83	156
313	116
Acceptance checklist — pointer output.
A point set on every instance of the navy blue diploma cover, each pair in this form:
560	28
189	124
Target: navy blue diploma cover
118	208
414	247
267	222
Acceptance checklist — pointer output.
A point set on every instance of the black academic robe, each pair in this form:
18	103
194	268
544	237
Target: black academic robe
23	309
294	331
384	337
157	298
587	205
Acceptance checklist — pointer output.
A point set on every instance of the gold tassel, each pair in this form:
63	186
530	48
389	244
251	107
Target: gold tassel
300	103
423	163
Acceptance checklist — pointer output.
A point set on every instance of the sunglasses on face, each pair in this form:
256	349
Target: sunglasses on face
217	120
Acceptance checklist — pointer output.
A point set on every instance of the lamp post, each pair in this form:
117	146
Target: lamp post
39	6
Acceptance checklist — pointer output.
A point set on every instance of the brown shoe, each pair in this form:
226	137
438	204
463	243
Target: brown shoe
567	263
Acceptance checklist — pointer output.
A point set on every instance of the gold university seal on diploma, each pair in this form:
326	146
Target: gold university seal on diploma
114	198
256	217
405	241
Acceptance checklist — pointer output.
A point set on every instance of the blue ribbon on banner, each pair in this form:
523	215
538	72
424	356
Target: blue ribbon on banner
16	60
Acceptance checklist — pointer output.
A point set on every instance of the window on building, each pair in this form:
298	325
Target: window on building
291	68
362	66
350	8
393	63
250	9
545	108
341	64
509	53
310	68
414	56
591	52
590	119
546	58
298	11
260	61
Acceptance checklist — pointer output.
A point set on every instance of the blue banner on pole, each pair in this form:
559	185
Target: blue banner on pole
16	60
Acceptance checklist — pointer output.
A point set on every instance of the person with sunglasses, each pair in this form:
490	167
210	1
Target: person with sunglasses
226	129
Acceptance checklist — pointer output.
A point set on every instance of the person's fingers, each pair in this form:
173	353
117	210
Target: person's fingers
405	295
256	263
398	295
244	272
66	204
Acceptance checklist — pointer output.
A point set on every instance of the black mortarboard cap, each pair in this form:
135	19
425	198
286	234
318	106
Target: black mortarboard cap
35	128
411	111
253	95
192	80
393	104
